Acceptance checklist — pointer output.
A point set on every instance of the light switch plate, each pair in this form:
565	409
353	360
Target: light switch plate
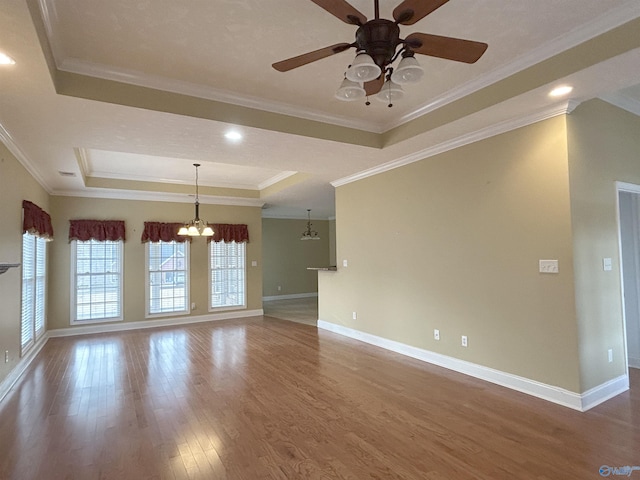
548	266
344	263
606	264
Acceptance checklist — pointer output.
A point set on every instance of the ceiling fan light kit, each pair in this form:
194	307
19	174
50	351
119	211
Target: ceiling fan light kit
378	45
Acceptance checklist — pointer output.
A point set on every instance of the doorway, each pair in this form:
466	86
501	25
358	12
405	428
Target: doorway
629	221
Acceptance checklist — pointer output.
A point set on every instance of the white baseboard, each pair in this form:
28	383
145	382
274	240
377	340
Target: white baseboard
634	362
561	396
164	322
10	380
290	296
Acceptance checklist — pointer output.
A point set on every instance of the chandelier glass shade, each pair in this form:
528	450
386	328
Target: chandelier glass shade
309	234
390	92
350	90
408	71
196	227
363	69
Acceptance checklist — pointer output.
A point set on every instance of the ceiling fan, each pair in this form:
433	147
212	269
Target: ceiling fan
376	45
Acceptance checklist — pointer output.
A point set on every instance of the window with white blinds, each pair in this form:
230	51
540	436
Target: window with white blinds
96	281
34	276
227	275
167	277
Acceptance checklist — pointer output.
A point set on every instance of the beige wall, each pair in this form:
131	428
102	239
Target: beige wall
135	213
604	146
286	257
453	242
16	184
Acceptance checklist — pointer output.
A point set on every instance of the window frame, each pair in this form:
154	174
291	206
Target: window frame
210	278
35	333
187	281
74	307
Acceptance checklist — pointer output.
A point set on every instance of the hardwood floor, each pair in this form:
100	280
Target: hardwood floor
262	398
301	310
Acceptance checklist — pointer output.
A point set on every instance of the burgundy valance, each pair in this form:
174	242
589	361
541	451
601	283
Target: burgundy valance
227	232
165	232
100	230
36	221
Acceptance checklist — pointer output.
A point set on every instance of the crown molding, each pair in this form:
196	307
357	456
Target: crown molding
625	102
563	108
275	179
133	77
612	19
17	152
118	194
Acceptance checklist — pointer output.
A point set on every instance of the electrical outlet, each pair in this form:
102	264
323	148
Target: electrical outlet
436	334
6	356
355	316
610	354
464	341
279	288
345	263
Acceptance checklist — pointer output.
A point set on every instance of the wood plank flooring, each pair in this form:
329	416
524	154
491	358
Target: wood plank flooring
263	398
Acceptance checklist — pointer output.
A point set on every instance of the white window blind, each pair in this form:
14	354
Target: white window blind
227	285
167	277
96	280
34	275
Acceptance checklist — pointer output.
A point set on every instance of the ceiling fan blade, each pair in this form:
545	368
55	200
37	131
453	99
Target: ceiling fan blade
300	60
343	10
457	49
410	11
374	86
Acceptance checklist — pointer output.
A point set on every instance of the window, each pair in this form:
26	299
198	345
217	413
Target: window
167	277
227	275
34	276
96	280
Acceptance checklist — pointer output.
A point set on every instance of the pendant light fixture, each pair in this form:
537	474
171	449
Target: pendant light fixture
309	234
196	227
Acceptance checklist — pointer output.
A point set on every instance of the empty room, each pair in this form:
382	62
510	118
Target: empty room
319	239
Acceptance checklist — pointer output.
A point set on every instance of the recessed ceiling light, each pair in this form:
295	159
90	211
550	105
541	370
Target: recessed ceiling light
6	59
560	91
233	135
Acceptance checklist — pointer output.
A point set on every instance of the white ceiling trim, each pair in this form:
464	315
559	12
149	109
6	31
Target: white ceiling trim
17	152
612	19
275	179
144	178
482	134
74	65
622	101
116	194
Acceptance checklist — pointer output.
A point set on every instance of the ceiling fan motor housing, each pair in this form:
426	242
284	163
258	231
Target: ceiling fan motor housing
379	38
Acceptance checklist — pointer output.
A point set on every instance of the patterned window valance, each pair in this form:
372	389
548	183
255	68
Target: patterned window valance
227	232
100	230
165	232
36	221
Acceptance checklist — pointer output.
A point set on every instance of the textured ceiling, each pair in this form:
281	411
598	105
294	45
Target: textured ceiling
216	56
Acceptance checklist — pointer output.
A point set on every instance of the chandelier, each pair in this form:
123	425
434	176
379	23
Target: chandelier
309	234
196	227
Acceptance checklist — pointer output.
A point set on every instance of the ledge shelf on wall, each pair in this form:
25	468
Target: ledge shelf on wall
6	266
